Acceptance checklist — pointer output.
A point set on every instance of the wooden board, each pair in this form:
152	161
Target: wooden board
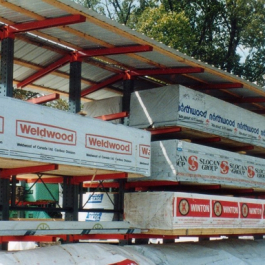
205	232
63	170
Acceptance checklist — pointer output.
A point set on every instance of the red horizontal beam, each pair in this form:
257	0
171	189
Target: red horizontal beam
78	179
207	140
45	180
246	100
115	50
258	111
166	71
218	86
44	99
59	63
96	236
6	173
233	191
103	84
158	131
47	23
114	116
241	148
28	238
105	184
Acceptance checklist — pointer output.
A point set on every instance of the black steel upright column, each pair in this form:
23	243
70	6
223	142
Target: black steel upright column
128	88
75	87
7	59
70	199
6	89
71	191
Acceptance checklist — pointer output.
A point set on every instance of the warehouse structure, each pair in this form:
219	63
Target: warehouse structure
152	92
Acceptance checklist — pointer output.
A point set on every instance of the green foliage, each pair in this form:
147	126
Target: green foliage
25	95
60	104
214	31
172	28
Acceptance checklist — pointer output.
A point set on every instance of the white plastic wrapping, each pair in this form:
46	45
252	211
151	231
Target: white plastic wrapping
104	107
37	133
97	200
176	210
176	160
180	106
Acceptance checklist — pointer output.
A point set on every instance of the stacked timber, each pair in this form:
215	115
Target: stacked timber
100	201
104	107
174	213
176	160
180	106
33	135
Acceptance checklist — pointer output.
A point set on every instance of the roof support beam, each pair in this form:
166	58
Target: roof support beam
103	84
114	50
9	31
166	71
6	173
44	99
59	63
78	55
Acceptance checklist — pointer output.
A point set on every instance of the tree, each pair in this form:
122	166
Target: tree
25	95
213	31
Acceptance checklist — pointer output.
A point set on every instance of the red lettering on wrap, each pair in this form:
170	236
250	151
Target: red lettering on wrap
144	151
108	144
45	133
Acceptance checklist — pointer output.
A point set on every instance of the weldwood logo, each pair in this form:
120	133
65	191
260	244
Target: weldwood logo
144	151
108	144
1	124
45	133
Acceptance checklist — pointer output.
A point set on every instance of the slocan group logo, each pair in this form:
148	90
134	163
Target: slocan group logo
45	133
251	172
224	167
193	163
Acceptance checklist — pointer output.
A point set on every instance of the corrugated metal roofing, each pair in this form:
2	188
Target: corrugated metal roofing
35	52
